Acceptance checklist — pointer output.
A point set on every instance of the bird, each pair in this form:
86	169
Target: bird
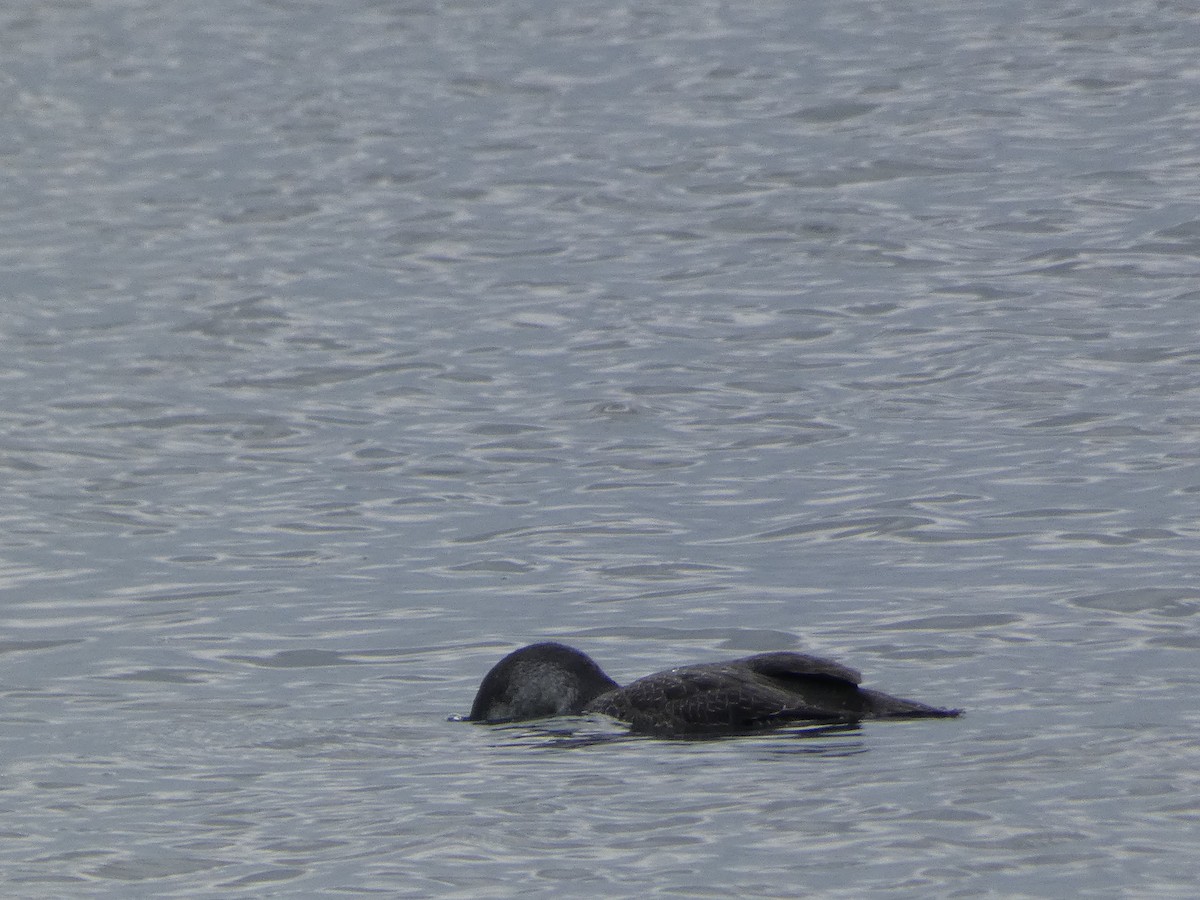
757	692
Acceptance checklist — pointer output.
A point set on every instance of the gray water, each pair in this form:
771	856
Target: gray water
349	346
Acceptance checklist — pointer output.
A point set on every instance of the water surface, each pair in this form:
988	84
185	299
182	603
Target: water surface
347	350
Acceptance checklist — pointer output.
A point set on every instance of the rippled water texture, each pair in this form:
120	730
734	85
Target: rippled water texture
349	346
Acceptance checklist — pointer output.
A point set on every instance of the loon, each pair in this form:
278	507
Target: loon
739	695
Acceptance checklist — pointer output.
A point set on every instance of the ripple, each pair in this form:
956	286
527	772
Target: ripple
11	646
849	527
1169	602
296	659
955	622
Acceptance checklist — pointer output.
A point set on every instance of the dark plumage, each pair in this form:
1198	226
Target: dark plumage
755	692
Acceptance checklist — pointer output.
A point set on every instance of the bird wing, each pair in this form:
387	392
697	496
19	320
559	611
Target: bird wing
785	664
711	698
